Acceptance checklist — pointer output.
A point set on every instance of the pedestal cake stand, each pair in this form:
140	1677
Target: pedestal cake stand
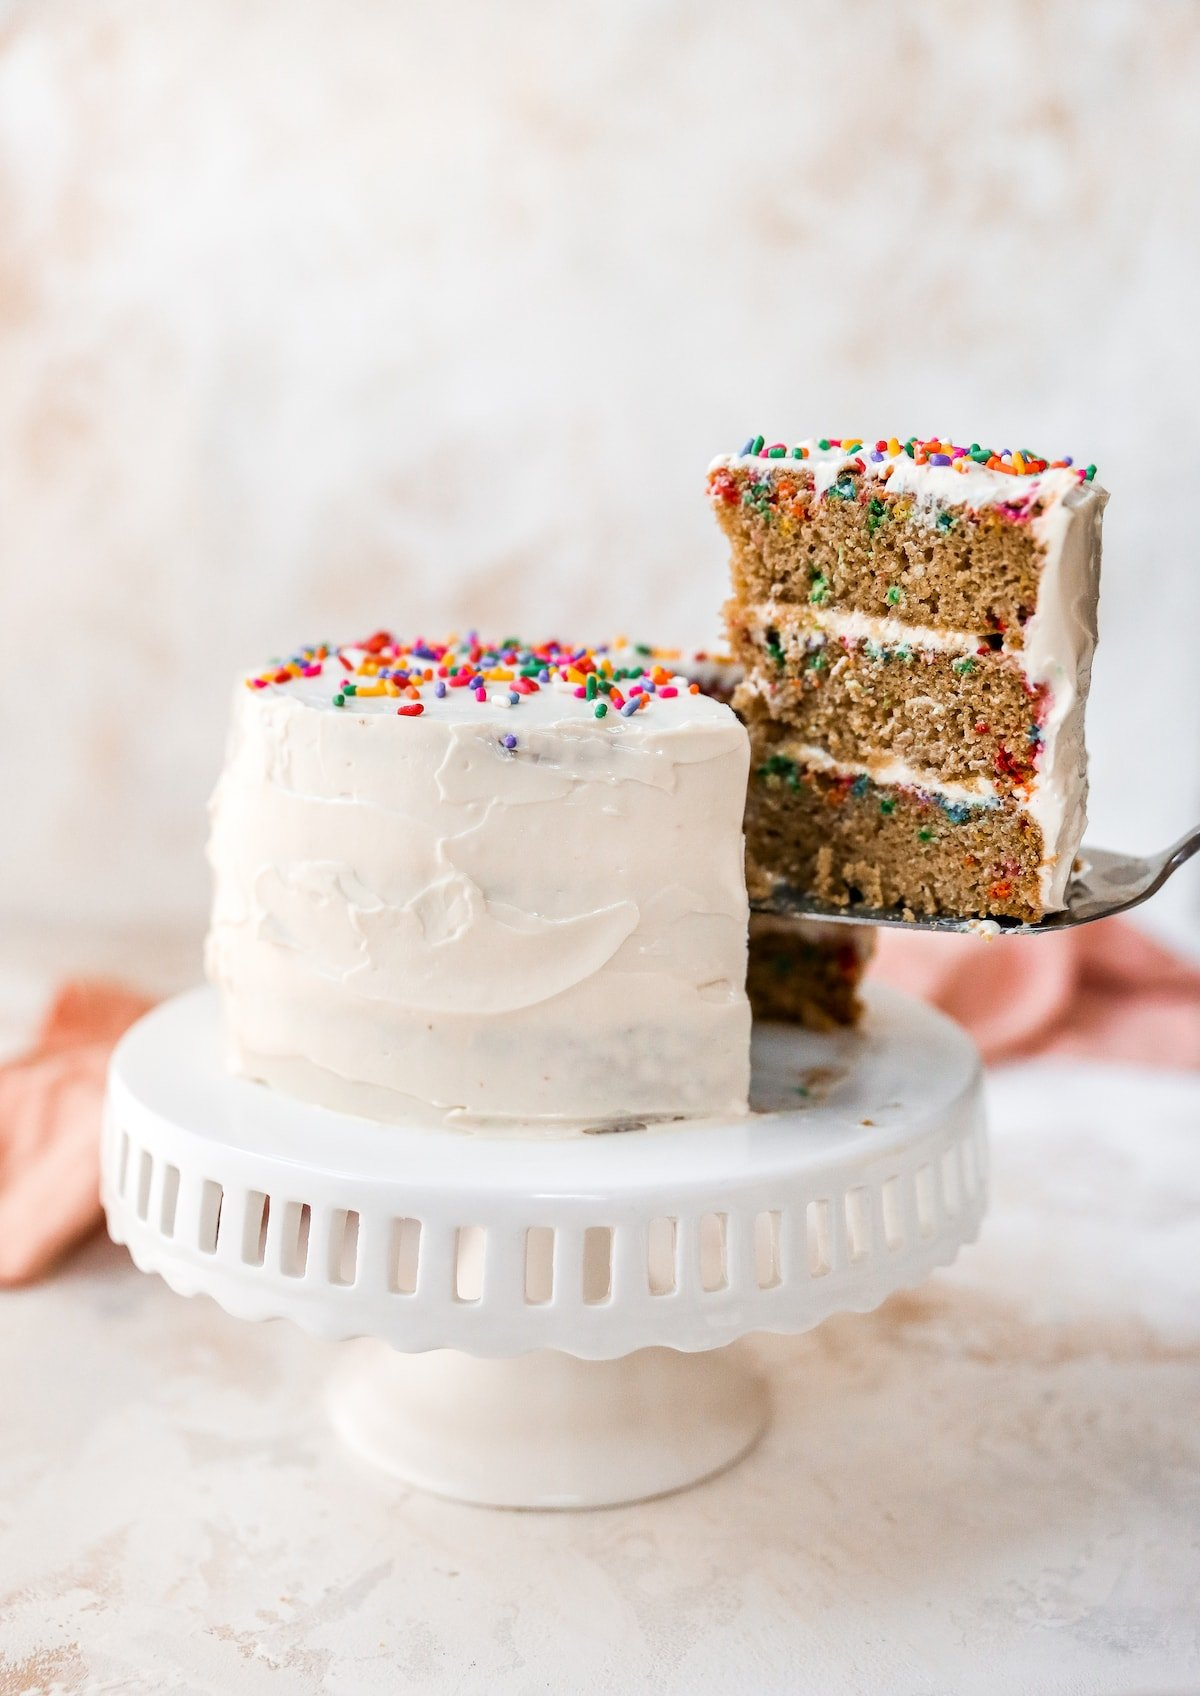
552	1321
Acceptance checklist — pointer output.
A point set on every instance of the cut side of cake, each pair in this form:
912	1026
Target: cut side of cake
915	623
484	884
801	971
805	972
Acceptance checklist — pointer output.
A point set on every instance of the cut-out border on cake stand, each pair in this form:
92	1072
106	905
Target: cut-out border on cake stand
597	1280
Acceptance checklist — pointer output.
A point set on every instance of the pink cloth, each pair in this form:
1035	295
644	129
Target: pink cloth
50	1101
1104	991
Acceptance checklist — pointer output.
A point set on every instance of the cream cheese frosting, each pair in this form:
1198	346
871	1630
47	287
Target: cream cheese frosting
888	770
1060	641
958	477
521	903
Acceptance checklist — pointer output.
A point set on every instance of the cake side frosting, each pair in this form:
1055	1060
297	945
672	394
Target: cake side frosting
1060	642
523	902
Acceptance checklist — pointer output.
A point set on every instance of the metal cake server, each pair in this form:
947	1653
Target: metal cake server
1102	884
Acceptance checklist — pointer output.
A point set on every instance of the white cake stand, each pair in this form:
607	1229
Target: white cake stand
552	1322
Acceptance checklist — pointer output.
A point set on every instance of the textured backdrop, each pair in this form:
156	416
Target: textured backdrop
320	315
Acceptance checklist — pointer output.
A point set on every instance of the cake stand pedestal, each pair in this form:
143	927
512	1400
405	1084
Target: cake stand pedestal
548	1430
551	1321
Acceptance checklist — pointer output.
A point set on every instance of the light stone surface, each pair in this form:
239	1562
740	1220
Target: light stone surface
992	1485
316	314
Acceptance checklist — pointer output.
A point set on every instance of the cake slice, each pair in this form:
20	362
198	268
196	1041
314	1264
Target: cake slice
915	622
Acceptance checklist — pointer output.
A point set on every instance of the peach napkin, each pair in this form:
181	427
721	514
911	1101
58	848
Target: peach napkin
50	1104
1104	991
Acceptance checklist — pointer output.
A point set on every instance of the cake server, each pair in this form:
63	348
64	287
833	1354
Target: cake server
1103	883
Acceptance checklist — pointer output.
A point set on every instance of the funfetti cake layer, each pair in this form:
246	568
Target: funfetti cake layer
483	884
807	971
916	624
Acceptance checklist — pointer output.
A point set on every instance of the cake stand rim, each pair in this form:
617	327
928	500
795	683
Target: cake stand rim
223	1241
308	1318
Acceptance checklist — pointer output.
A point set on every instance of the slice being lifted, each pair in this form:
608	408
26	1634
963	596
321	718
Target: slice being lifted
916	624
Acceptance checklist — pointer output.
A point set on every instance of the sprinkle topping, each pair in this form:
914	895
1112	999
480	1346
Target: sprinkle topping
1012	462
418	675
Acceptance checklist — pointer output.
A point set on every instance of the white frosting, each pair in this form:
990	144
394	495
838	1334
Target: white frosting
411	920
1059	638
885	769
864	626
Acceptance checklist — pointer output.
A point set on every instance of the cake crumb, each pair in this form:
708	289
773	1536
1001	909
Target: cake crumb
816	1082
985	928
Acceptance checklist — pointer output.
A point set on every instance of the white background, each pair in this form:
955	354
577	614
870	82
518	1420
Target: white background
317	316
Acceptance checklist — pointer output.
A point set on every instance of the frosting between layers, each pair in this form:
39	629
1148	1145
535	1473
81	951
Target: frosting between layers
413	920
888	772
862	626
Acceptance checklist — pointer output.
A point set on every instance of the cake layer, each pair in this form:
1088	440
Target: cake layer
846	837
807	972
484	885
964	715
924	545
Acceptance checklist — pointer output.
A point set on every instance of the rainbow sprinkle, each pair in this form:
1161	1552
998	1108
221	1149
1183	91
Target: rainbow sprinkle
1012	462
628	679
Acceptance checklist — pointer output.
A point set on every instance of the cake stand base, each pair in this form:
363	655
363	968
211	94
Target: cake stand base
547	1430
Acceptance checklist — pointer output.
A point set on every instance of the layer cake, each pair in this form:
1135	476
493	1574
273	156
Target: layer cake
484	884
